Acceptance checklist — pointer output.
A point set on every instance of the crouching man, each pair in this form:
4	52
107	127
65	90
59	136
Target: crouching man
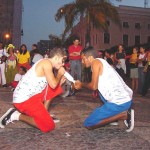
37	85
115	94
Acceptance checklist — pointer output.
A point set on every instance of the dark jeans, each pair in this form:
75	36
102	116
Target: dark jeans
75	66
146	82
141	78
121	73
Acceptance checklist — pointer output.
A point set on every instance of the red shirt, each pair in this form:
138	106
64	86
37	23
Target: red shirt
72	49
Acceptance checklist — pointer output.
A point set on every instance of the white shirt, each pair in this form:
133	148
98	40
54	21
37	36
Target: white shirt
37	57
3	52
141	56
29	86
18	77
111	85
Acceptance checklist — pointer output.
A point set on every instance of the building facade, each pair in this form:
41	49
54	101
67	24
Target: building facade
10	21
134	30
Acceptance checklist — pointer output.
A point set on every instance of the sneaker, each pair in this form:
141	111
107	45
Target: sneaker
12	89
130	120
52	115
5	85
56	120
114	123
6	118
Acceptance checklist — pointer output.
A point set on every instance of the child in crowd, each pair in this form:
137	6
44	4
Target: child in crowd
18	77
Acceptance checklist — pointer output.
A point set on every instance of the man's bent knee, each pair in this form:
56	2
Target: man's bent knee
45	125
48	127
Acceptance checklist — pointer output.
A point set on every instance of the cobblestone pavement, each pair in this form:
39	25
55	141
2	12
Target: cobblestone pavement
70	134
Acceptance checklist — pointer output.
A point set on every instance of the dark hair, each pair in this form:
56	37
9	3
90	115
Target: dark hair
23	68
110	61
20	50
107	51
121	45
36	51
35	45
136	48
76	38
143	47
12	50
90	52
57	51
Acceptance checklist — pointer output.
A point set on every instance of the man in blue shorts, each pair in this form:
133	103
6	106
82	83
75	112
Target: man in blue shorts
115	94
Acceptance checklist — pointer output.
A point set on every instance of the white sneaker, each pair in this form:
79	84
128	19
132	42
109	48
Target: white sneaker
130	120
56	120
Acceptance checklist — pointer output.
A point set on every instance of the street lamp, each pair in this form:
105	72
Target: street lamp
61	10
7	36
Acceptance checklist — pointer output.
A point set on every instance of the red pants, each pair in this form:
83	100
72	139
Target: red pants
35	108
26	65
14	84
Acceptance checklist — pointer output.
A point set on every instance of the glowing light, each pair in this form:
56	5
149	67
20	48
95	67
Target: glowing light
7	36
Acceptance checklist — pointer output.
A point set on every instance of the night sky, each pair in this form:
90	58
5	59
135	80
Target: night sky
38	18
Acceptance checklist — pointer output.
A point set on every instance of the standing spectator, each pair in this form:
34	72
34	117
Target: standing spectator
11	67
23	57
134	69
36	57
3	57
141	64
32	52
75	58
120	61
146	84
108	57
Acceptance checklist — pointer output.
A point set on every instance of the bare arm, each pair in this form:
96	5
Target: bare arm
75	54
50	77
96	71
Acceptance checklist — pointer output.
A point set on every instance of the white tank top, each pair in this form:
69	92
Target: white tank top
29	86
111	85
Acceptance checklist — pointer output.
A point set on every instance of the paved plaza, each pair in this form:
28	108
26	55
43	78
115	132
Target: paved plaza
70	134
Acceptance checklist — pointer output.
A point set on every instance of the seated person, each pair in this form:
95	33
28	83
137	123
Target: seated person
18	77
115	94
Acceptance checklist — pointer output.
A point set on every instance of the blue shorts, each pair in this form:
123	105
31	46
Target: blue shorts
105	111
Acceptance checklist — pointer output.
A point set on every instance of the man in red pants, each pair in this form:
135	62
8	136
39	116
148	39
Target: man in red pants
38	84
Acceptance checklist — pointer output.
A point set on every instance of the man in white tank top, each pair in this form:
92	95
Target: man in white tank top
35	92
115	94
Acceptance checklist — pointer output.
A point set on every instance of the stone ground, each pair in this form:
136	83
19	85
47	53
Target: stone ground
70	134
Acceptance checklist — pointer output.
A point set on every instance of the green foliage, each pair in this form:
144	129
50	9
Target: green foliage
95	12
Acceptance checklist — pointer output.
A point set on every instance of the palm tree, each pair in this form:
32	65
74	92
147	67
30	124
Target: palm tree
94	11
59	41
